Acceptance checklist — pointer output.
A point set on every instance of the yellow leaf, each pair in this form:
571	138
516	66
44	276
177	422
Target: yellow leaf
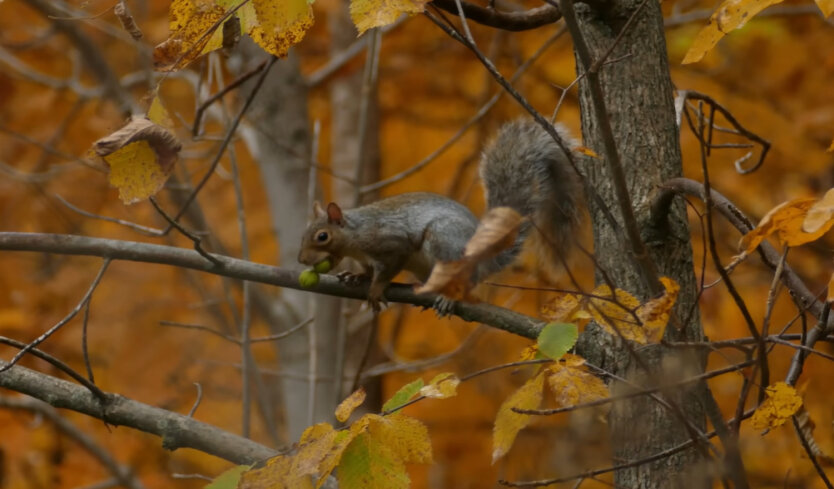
367	14
731	14
572	384
617	316
368	464
190	36
830	148
441	386
274	26
140	156
406	437
785	221
561	308
827	7
158	114
654	314
782	402
346	407
508	422
820	214
529	353
315	444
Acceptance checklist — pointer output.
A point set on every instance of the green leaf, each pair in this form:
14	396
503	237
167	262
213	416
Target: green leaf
368	464
556	339
405	394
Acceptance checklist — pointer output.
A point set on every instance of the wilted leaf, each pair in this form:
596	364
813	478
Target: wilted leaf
655	313
820	214
617	317
346	407
402	396
496	232
128	23
731	14
228	479
451	279
782	402
572	384
367	14
508	422
556	339
140	155
315	444
806	427
274	26
785	221
441	386
561	308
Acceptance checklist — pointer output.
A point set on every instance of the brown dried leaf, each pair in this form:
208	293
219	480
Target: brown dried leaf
140	156
496	231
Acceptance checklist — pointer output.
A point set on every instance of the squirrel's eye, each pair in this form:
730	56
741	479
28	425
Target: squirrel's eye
322	237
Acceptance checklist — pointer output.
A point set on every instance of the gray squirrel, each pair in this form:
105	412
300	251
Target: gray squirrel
522	168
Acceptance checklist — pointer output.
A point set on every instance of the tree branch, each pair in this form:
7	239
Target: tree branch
176	430
508	21
226	266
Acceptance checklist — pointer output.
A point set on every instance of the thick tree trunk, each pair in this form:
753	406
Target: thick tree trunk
640	107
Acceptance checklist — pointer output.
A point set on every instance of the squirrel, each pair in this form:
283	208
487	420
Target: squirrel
522	168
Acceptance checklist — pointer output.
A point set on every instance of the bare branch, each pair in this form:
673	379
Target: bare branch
494	316
176	430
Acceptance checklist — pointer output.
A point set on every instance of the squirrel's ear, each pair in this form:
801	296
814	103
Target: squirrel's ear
334	214
318	210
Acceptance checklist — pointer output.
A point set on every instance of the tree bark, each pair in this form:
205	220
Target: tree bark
638	95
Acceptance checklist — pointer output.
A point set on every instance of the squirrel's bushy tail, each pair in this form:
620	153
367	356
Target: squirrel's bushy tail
523	168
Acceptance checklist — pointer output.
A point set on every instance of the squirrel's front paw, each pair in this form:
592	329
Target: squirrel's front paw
351	279
376	297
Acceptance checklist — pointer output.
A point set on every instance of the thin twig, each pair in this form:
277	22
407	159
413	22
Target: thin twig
40	339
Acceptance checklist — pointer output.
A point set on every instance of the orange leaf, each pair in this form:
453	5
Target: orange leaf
731	14
785	221
820	214
655	313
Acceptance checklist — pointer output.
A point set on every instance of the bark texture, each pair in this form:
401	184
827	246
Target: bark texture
638	96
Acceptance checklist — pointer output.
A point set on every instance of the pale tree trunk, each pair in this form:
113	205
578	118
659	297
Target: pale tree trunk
281	145
346	97
638	96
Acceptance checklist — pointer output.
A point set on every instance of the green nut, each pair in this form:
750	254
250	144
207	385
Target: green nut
323	266
309	278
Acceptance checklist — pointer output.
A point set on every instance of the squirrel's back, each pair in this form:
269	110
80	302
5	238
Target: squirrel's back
525	169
